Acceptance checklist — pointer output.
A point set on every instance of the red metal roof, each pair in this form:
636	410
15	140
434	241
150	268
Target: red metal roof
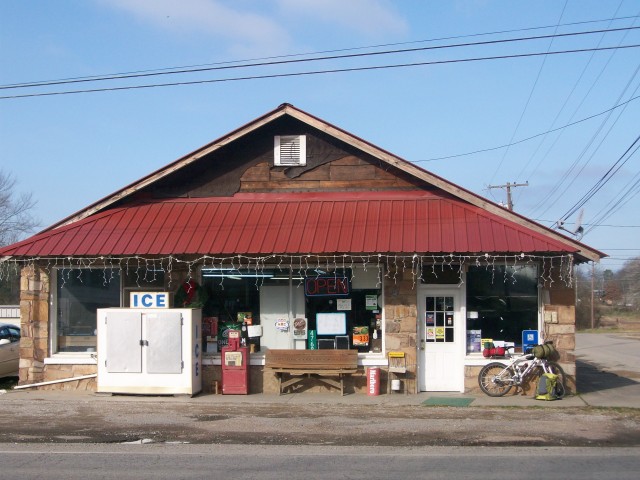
316	223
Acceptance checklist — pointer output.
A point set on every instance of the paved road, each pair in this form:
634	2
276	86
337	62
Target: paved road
160	462
616	353
608	369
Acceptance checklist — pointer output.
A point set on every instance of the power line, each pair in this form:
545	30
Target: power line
632	189
566	101
226	66
575	112
526	105
591	224
557	192
490	149
316	72
603	180
304	60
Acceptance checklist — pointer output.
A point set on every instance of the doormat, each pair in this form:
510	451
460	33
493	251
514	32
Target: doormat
448	401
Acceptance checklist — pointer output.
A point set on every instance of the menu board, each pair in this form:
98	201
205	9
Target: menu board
331	323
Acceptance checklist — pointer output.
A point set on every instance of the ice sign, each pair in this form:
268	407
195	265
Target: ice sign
149	300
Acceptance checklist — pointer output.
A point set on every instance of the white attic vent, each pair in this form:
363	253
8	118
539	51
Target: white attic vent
290	150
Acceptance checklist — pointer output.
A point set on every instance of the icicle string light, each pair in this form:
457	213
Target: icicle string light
147	268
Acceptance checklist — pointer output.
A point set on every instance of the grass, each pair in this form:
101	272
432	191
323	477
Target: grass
616	321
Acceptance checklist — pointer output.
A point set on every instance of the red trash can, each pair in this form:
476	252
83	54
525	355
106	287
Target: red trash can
373	381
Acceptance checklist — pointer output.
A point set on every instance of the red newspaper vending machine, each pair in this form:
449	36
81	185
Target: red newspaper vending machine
235	366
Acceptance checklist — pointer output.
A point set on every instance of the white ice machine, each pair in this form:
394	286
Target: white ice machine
149	351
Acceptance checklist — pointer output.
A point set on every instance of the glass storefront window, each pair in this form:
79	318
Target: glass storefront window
233	298
334	301
502	302
268	297
79	293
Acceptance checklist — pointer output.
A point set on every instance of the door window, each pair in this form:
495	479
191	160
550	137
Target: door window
439	319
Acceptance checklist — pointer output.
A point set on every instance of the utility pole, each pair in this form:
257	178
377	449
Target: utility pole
509	186
593	276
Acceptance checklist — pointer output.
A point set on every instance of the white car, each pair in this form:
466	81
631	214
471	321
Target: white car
9	350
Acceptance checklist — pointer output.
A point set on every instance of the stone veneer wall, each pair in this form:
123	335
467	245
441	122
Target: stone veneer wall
560	306
401	314
34	324
563	335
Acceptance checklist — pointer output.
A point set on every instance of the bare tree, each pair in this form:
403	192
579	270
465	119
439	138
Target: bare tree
583	293
16	219
629	278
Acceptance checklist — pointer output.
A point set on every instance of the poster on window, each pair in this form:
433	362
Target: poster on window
343	304
360	336
210	328
431	334
431	319
371	302
439	333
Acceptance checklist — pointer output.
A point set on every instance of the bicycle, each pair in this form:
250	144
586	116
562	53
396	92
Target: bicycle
496	379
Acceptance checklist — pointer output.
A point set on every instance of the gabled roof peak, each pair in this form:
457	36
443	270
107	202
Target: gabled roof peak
367	148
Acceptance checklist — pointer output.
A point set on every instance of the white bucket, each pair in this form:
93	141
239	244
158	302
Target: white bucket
395	385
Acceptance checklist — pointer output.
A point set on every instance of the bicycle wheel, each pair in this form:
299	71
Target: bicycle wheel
495	379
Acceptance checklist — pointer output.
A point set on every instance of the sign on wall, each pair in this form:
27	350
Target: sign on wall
149	299
300	329
326	286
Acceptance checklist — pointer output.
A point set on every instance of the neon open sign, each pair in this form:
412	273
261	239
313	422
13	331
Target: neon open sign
326	286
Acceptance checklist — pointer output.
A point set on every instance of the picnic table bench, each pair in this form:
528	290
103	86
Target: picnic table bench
294	366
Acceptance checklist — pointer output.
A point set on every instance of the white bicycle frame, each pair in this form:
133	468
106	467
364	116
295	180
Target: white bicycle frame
522	371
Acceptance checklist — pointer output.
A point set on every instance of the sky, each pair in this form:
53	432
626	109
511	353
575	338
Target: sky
490	106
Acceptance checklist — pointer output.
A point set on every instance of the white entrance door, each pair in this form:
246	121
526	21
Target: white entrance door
442	344
277	311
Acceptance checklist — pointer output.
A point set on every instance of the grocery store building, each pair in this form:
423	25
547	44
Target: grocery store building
290	217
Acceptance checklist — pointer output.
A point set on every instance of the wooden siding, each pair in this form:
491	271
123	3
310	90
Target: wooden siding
248	166
348	173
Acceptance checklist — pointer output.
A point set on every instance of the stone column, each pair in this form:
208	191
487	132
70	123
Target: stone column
401	314
34	323
559	323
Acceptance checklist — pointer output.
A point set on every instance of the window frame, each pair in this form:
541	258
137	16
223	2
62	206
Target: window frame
477	356
53	317
366	358
280	160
